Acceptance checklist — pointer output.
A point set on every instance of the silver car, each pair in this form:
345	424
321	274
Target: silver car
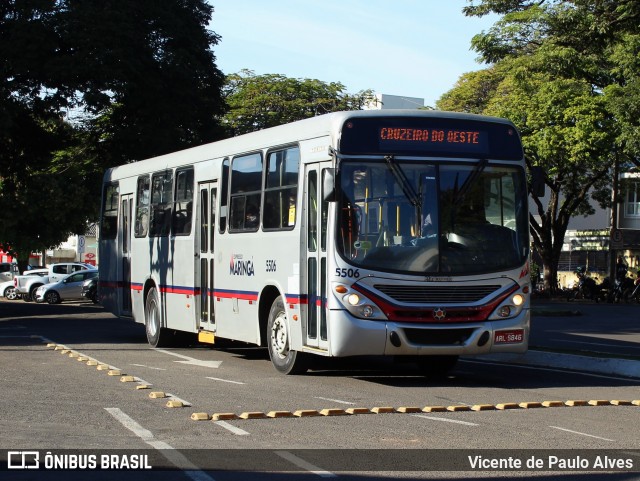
70	287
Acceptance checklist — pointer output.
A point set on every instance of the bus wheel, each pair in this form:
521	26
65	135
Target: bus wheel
283	358
157	336
436	367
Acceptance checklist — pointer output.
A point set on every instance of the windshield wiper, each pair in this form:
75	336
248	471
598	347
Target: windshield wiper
401	179
460	194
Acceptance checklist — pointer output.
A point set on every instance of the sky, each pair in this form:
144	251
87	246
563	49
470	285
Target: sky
413	48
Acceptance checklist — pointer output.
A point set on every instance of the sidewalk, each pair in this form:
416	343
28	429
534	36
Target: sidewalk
583	336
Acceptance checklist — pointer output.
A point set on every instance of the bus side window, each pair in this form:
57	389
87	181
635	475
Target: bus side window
161	200
183	205
281	189
142	206
246	192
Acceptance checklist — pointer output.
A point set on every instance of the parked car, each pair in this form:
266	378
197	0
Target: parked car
68	288
8	270
27	285
8	291
90	289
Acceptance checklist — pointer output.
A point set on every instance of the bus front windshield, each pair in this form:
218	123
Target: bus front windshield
413	217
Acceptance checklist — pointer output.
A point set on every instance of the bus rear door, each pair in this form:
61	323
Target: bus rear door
205	256
126	207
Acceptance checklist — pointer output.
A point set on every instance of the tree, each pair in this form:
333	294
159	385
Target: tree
566	75
86	85
260	101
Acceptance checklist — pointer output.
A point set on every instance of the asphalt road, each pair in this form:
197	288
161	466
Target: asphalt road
587	328
254	418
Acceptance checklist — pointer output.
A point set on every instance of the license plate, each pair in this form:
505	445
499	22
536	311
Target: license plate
512	336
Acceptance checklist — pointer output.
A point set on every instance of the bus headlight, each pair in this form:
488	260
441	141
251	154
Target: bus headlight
353	299
356	303
510	307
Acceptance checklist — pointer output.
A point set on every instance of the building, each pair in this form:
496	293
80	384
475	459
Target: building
386	101
589	240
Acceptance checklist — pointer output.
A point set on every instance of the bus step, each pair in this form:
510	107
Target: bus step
206	337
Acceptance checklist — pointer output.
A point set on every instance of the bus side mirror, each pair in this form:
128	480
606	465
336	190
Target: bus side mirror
329	185
537	187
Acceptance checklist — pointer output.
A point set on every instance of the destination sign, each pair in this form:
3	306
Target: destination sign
443	140
431	136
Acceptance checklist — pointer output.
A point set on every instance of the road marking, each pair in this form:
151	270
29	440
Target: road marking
224	380
171	397
455	421
191	360
301	463
581	434
149	367
232	428
334	400
169	452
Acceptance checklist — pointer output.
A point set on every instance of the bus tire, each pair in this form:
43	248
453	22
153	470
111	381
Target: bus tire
436	367
157	336
283	358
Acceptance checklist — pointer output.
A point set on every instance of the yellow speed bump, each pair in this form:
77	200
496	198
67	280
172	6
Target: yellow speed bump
103	367
483	407
553	404
127	379
58	348
92	362
599	402
409	409
82	359
223	416
157	395
304	413
359	411
576	402
114	372
279	414
503	406
65	351
143	386
253	415
530	405
74	354
434	409
333	412
174	404
458	408
621	402
52	344
636	402
200	416
383	410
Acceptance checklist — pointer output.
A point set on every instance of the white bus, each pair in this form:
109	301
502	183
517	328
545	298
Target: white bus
395	233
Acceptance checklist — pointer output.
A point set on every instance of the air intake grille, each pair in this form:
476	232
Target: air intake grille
436	294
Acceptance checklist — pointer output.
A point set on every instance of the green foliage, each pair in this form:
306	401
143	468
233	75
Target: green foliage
566	73
90	84
261	101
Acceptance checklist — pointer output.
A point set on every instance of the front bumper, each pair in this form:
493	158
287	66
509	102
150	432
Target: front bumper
352	337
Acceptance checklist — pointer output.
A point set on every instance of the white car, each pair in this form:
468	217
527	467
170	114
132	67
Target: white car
69	287
8	291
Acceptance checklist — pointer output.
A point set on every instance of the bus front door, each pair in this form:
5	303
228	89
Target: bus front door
205	256
126	207
315	278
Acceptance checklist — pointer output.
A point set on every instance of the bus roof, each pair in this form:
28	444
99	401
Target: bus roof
314	127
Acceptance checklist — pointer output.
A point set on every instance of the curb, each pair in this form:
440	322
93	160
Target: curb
598	365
